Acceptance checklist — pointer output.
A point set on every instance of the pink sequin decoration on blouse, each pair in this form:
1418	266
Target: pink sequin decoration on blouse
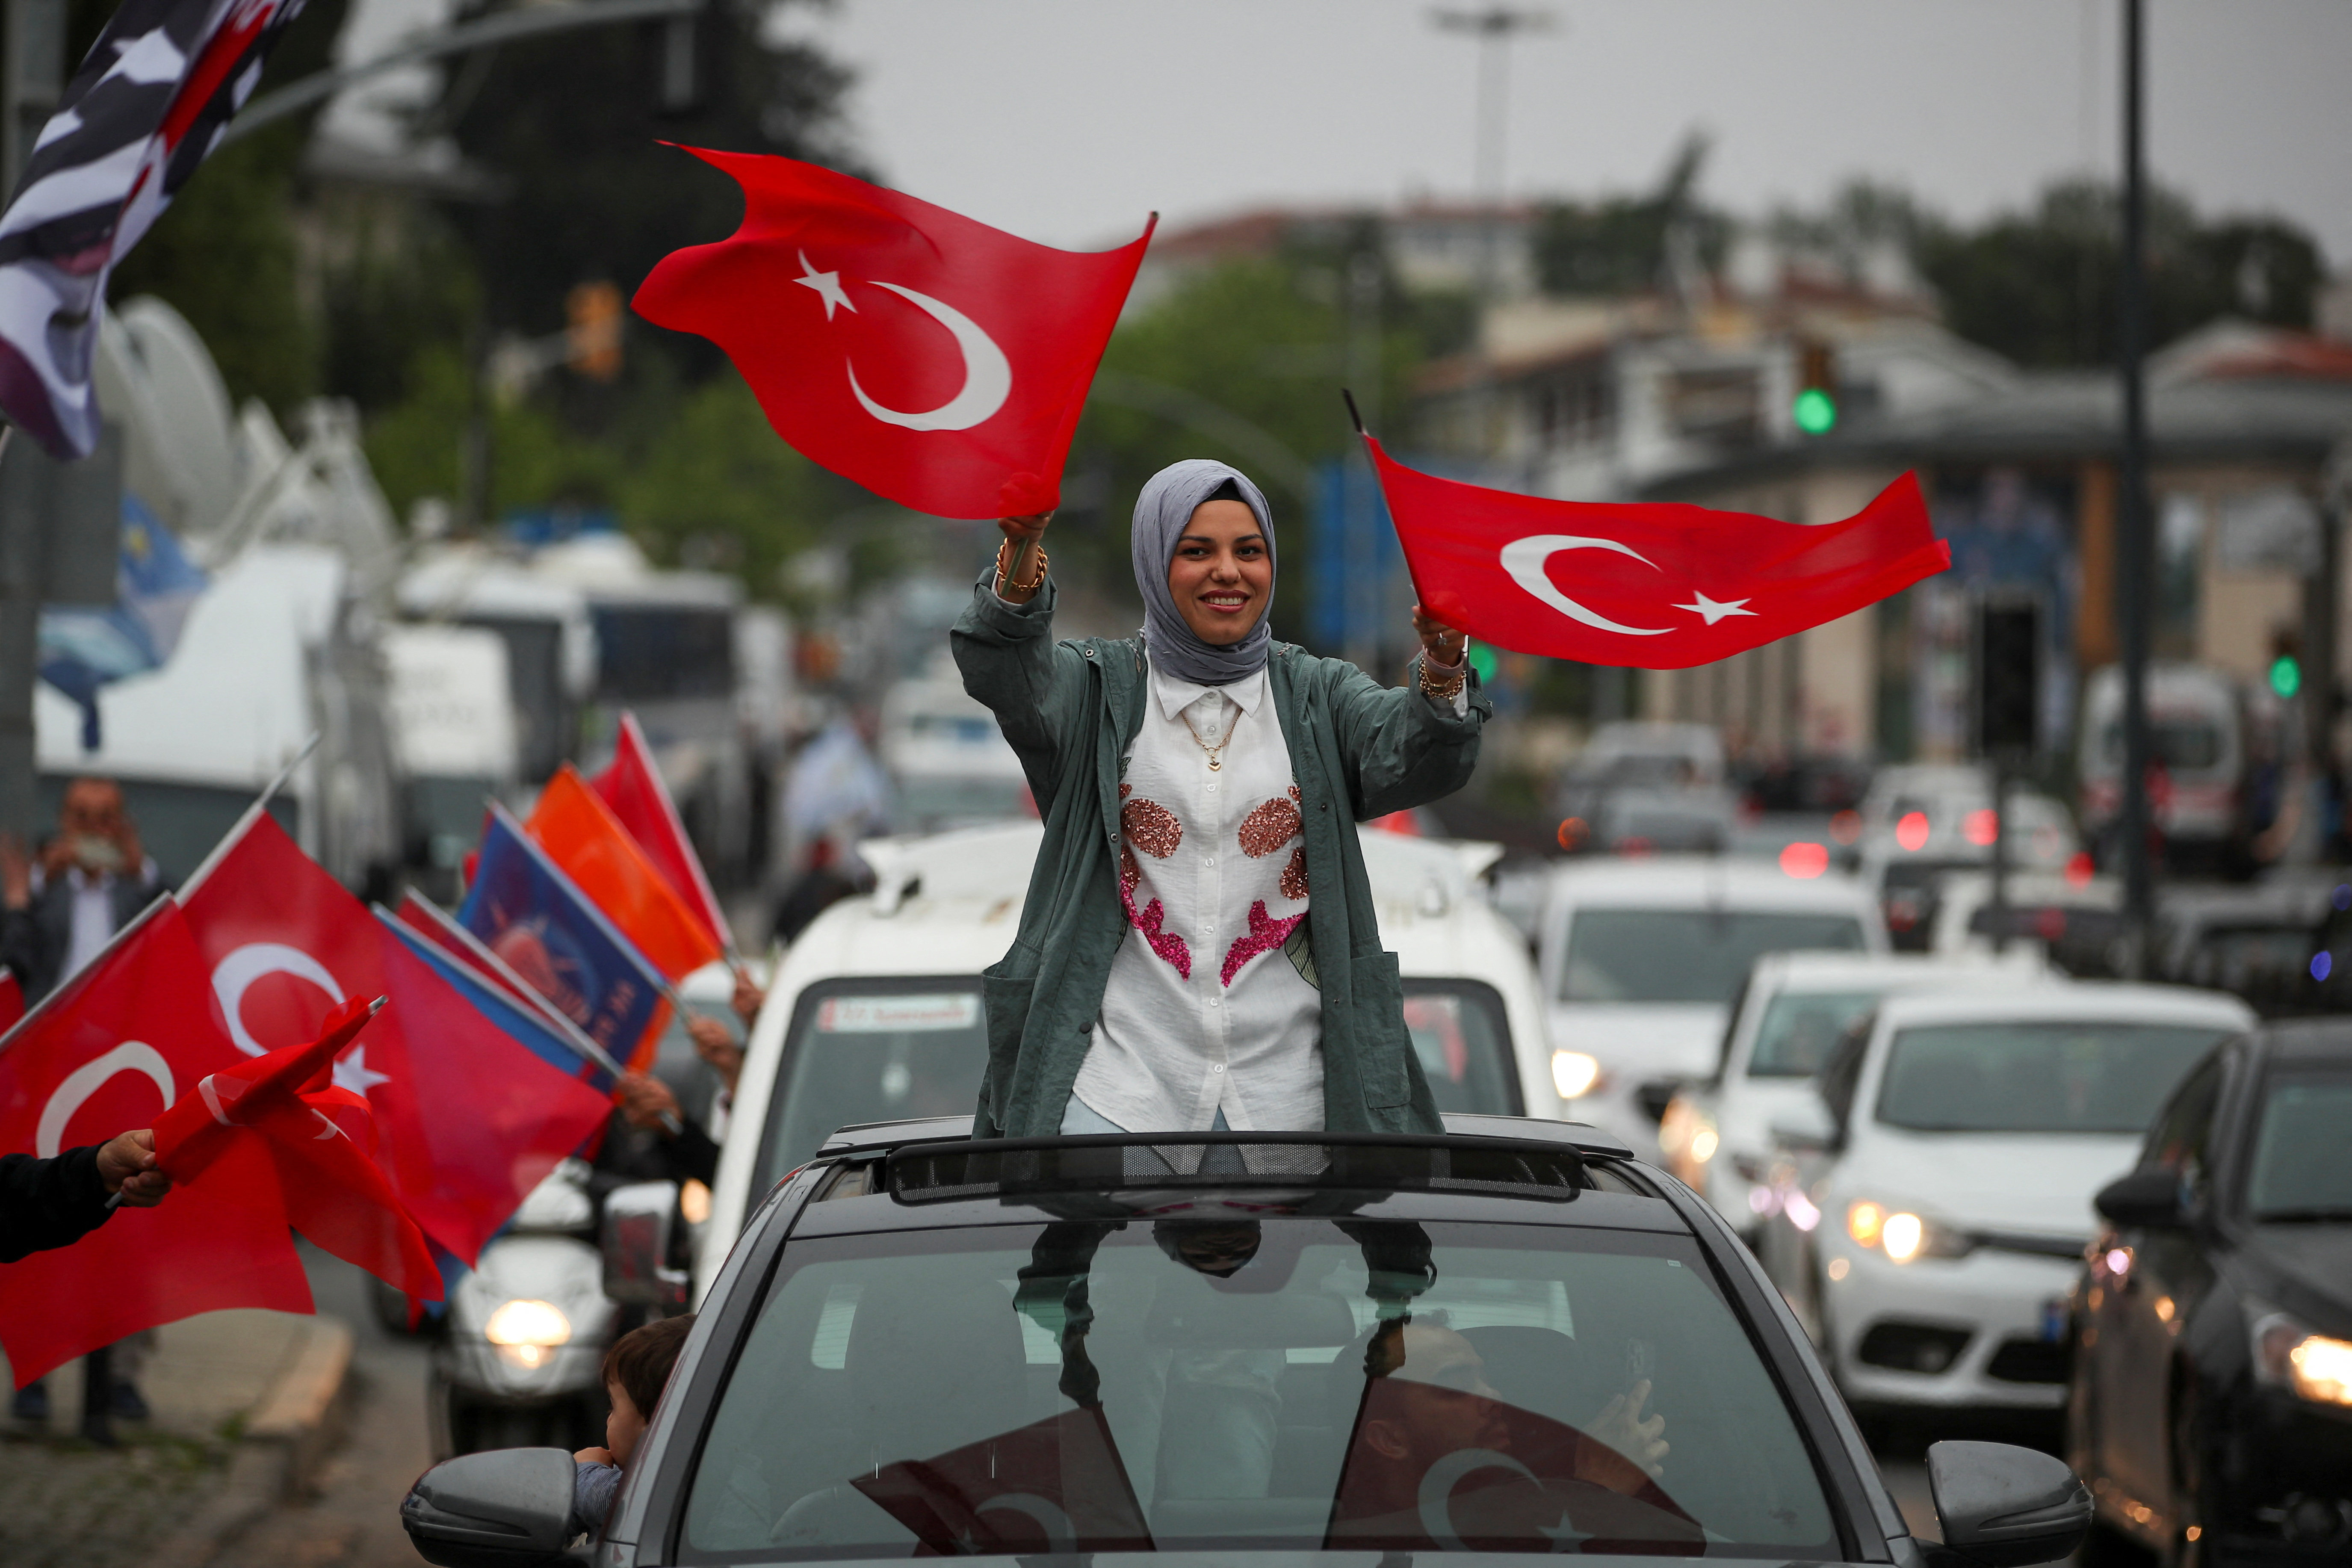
1265	934
1152	917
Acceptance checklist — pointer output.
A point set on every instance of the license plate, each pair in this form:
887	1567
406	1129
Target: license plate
2053	1319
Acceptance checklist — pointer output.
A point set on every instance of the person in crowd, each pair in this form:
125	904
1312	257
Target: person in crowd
91	880
57	1202
636	1369
1198	951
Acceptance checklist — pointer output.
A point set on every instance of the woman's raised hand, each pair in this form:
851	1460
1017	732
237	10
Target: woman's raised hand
1442	644
1020	559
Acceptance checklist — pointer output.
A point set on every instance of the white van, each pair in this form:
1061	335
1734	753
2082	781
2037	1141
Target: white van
2197	736
875	1014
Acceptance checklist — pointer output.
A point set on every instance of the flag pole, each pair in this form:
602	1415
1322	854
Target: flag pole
1356	417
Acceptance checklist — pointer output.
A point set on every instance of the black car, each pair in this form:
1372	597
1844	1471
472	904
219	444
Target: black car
2212	1403
927	1346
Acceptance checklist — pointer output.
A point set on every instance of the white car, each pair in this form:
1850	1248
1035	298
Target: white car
1968	1135
875	1013
1716	1134
1640	960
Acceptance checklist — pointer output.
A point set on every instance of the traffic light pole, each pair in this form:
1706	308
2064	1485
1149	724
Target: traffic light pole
2132	550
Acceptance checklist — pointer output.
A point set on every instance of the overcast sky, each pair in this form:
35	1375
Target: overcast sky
1066	119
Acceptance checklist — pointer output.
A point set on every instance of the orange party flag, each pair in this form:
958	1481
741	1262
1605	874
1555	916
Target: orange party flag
581	834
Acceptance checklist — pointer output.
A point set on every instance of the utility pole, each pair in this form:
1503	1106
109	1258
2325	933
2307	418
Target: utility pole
1494	27
2132	542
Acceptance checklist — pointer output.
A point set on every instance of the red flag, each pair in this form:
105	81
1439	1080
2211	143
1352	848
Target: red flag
938	361
105	1053
581	835
632	788
1432	1468
1653	585
1055	1486
468	1119
274	1135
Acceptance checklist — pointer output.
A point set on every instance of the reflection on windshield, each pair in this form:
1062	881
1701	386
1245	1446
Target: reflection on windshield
1236	1381
1685	955
2299	1169
1800	1028
2085	1076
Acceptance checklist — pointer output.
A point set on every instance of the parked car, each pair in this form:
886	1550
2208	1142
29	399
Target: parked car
1967	1135
924	1345
1640	960
2211	1409
1791	1012
875	1012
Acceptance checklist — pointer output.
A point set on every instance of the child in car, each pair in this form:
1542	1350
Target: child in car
635	1370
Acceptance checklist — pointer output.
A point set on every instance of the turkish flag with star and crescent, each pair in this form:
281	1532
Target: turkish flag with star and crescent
938	361
468	1118
1650	585
103	1054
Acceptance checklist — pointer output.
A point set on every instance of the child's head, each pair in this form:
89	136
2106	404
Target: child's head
636	1368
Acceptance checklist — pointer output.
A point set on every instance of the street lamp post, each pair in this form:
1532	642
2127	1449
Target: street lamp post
2132	543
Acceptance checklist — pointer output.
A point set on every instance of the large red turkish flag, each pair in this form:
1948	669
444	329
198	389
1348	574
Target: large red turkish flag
932	359
274	1135
468	1120
1653	585
103	1054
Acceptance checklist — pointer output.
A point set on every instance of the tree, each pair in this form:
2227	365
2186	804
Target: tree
1630	245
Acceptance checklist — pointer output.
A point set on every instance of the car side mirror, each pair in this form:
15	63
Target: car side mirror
2005	1507
1805	1127
640	1224
2149	1196
510	1508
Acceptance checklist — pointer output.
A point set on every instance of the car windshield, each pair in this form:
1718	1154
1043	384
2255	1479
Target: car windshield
1800	1028
1202	1383
2299	1170
1685	955
2087	1074
884	1050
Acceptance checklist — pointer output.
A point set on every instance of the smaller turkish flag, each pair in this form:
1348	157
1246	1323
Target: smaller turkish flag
103	1054
1650	585
1432	1468
581	833
1053	1486
632	788
938	361
274	1135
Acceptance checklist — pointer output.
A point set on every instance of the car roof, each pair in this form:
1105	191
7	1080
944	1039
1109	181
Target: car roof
2071	1000
2310	1042
1696	882
1818	971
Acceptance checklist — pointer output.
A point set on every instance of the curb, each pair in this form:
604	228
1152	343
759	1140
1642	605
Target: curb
287	1433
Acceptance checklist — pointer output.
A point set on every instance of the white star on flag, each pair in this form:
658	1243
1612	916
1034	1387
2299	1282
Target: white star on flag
828	286
352	1073
1713	611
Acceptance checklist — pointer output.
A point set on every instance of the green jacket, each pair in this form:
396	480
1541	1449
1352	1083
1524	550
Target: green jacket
1071	710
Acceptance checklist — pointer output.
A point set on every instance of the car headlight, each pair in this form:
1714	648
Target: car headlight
1574	1074
2289	1355
1902	1234
526	1331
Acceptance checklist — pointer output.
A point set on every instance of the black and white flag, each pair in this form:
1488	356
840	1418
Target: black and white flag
149	101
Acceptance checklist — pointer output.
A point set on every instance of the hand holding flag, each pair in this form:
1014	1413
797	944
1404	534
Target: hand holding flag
1653	585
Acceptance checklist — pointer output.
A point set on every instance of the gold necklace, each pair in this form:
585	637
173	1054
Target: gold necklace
1216	758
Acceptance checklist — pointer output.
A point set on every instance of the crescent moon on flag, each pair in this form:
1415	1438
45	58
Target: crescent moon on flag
78	1086
1523	560
1437	1483
987	374
234	976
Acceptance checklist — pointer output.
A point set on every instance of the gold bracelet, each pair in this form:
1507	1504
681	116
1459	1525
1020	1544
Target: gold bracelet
1445	688
1003	571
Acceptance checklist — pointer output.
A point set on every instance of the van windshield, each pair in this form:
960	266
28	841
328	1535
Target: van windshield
1249	1380
2090	1075
891	1050
1685	955
2175	742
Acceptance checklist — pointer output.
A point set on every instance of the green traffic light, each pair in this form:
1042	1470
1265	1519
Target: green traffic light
2286	676
1815	411
1483	660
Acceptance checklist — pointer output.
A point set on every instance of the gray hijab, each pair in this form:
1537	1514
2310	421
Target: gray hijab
1160	514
